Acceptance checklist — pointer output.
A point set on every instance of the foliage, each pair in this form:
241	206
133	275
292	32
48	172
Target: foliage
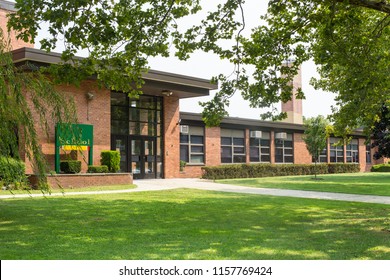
380	168
348	40
231	171
315	136
334	168
12	171
182	165
70	166
97	169
381	134
111	159
24	93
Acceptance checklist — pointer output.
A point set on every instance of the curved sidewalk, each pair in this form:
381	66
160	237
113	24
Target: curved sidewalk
165	184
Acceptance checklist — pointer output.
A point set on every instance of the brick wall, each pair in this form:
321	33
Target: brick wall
212	153
68	181
95	112
171	137
301	154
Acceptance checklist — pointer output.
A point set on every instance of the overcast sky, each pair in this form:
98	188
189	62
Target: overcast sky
206	66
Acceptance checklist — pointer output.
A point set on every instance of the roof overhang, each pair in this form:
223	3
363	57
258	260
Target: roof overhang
7	5
156	82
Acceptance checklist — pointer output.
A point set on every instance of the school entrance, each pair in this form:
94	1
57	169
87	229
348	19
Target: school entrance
136	134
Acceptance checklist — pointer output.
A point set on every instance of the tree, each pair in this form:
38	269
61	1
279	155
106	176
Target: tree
24	90
381	134
315	137
347	39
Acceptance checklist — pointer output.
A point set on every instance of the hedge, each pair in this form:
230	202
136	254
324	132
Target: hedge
12	171
232	171
380	168
70	166
111	159
97	169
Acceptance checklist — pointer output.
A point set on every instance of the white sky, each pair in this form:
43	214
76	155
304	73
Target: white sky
204	65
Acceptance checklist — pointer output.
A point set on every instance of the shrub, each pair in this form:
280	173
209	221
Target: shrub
343	168
70	166
12	171
270	170
97	169
380	168
111	159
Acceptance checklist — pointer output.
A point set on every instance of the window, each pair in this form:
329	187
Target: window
232	146
192	145
352	151
284	152
368	154
259	148
336	152
323	158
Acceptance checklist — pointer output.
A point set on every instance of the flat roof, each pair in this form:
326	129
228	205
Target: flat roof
155	81
7	5
240	123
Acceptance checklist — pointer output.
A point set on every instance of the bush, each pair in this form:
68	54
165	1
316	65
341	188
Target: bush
97	169
111	159
70	166
12	171
380	168
232	171
343	168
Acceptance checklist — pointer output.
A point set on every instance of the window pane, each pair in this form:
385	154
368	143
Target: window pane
239	141
265	143
238	158
239	150
118	98
184	138
196	149
119	127
184	153
288	159
265	158
265	150
226	155
278	158
226	141
197	159
119	113
288	144
254	142
195	139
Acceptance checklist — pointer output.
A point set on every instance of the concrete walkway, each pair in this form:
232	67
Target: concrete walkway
166	184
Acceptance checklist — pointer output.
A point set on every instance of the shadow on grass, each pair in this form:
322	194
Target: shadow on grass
189	224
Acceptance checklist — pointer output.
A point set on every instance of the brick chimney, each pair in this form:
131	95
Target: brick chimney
293	108
7	7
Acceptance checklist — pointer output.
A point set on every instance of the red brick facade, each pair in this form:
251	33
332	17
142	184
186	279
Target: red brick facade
95	112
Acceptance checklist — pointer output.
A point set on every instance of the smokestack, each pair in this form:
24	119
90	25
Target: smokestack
293	108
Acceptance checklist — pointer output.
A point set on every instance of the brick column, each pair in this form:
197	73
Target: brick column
272	147
247	146
212	146
301	154
171	137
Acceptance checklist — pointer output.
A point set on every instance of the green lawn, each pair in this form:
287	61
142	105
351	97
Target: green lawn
356	183
191	224
84	189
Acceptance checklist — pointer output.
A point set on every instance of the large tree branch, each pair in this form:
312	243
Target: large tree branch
379	5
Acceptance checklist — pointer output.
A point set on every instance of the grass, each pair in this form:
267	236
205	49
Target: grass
83	189
356	183
191	224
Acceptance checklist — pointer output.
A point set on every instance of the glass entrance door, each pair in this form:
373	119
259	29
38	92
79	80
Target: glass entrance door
143	157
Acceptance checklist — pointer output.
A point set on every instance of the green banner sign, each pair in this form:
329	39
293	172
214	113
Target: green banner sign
73	137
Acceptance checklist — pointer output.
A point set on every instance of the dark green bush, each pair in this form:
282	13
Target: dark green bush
97	169
12	171
70	166
380	168
343	168
232	171
111	159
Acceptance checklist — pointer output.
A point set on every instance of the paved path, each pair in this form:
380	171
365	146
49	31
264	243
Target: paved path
165	184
